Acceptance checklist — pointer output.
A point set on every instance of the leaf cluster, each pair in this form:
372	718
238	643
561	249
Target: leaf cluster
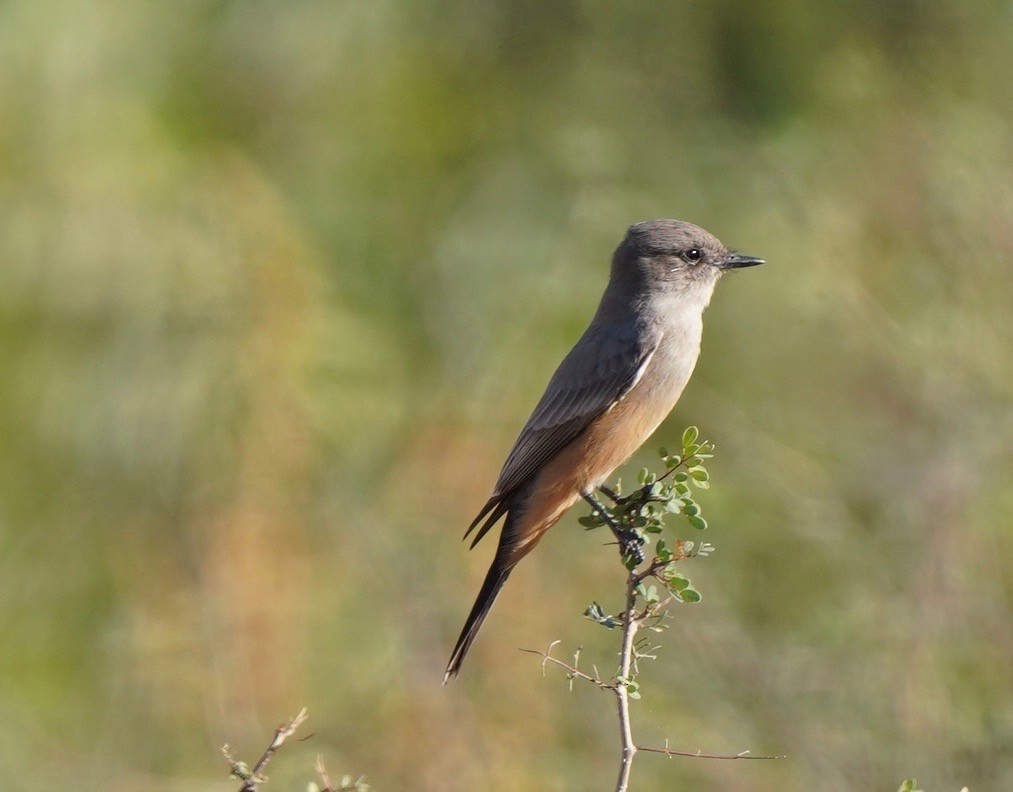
645	510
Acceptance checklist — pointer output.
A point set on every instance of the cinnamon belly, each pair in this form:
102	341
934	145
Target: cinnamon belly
585	463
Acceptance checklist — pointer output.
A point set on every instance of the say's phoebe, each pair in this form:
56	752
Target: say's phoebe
622	378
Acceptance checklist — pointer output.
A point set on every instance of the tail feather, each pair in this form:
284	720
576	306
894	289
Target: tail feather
499	511
494	580
493	502
520	533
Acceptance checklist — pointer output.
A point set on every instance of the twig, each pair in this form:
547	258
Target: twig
701	755
642	494
326	779
630	625
572	670
651	570
631	622
252	778
630	514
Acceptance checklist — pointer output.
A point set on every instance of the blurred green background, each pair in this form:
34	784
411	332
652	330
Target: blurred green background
280	282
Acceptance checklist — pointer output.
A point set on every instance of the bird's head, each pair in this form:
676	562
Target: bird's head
673	253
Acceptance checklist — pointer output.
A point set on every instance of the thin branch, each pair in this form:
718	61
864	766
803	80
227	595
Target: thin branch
572	670
621	520
701	755
322	771
252	778
630	625
642	494
348	784
631	622
652	569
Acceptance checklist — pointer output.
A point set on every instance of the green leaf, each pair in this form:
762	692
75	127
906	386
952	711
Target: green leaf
632	688
596	613
590	521
690	595
698	522
681	476
642	475
678	582
241	770
663	452
699	474
692	509
689	436
909	785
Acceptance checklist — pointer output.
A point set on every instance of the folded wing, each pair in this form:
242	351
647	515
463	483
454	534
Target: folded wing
599	371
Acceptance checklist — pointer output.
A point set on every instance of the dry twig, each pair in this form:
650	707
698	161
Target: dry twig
701	755
572	671
252	778
326	779
631	622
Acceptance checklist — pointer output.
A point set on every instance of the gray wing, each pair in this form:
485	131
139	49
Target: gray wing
599	371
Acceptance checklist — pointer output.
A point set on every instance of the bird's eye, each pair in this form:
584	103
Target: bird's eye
692	255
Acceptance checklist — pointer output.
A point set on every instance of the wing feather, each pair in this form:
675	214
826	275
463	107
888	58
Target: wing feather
599	371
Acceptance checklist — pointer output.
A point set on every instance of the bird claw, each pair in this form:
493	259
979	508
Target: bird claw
629	540
630	544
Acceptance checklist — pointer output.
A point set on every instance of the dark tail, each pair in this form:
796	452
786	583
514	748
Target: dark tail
494	580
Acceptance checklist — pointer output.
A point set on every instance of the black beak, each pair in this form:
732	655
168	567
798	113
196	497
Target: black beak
735	261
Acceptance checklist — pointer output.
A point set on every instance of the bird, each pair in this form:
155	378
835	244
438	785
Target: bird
611	391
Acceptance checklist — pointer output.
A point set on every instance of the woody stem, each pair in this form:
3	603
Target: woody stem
630	625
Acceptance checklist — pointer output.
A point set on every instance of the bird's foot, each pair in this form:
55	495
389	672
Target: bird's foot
630	542
631	545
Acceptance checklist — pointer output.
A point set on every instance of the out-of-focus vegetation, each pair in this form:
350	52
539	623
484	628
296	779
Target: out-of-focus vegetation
280	282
